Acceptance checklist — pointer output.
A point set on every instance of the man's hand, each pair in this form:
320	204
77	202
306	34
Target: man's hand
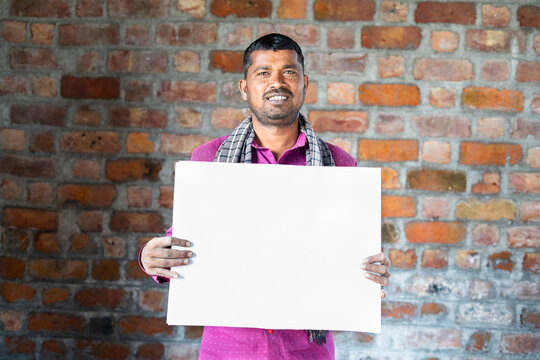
157	256
378	270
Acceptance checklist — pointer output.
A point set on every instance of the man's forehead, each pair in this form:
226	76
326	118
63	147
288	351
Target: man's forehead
259	57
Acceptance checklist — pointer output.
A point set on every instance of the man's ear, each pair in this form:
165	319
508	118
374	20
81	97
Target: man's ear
242	86
306	83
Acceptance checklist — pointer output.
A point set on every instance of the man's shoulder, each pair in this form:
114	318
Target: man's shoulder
341	157
207	151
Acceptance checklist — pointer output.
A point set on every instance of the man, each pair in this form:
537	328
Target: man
274	86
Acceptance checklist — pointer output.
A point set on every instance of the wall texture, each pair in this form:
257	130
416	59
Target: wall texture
100	97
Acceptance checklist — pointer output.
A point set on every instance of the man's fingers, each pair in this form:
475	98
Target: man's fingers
381	280
170	253
164	263
383	293
161	242
166	273
380	258
379	269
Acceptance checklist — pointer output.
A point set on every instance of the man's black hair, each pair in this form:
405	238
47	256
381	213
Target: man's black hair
272	42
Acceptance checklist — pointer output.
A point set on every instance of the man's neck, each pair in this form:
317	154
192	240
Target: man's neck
277	139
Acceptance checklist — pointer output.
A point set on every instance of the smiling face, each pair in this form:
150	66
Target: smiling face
274	87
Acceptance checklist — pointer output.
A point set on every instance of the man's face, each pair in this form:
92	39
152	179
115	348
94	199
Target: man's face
274	87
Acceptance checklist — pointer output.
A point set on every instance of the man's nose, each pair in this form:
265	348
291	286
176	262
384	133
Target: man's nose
276	80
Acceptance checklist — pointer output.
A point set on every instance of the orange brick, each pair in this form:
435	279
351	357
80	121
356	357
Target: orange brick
436	151
490	185
442	97
388	150
402	259
54	295
495	16
344	10
180	144
46	243
434	258
531	262
292	9
433	309
102	350
189	118
495	40
11	268
13	31
137	116
187	61
139	142
398	310
340	38
101	297
398	206
389	94
30	219
43	86
242	8
436	180
187	91
58	269
90	142
340	93
489	154
226	61
389	178
148	326
394	11
444	41
133	169
165	199
12	139
338	121
122	221
105	270
492	99
435	232
443	12
87	116
227	118
501	261
392	66
391	37
16	292
87	195
195	8
468	259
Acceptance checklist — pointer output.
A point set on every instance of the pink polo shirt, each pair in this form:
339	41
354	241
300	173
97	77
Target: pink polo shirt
250	343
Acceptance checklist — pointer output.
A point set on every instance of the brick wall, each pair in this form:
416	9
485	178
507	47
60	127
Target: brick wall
100	97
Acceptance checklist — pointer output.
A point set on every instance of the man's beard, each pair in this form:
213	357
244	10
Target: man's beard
284	117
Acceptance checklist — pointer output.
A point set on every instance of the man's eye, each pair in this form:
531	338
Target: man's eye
263	73
290	72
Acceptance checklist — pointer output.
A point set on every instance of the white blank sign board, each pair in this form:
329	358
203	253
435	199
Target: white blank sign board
276	246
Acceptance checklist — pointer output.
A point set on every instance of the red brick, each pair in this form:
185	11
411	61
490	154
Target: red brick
11	268
137	90
15	240
530	211
133	169
468	259
389	94
89	8
489	154
166	196
528	16
138	8
138	34
533	157
187	91
522	128
392	66
227	118
54	346
151	350
136	222
530	318
391	37
44	8
195	8
105	270
134	272
19	345
90	142
501	261
389	233
12	139
344	10
46	243
138	61
193	332
226	61
492	16
114	247
443	12
86	169
434	258
149	326
180	144
58	269
89	61
30	219
101	298
340	38
495	40
103	350
443	70
433	309
37	114
394	11
398	310
434	232
445	126
14	291
10	85
398	206
87	116
186	34
151	300
525	182
10	190
42	34
436	151
292	9
139	142
88	34
496	70
520	343
491	210
90	88
242	8
82	243
87	195
54	295
436	180
40	193
490	185
402	259
336	63
42	142
479	342
26	58
523	237
388	150
139	197
231	93
90	221
187	117
528	71
304	35
55	322
435	207
137	117
13	31
485	234
492	127
339	121
444	41
241	35
388	124
35	167
43	86
434	339
189	61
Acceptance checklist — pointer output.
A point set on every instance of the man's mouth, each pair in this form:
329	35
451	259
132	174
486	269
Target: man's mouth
277	98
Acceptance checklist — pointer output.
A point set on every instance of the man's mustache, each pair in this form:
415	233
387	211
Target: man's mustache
281	91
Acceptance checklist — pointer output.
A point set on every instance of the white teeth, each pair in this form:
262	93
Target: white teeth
277	98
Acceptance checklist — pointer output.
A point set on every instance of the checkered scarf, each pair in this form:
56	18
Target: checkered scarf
237	149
